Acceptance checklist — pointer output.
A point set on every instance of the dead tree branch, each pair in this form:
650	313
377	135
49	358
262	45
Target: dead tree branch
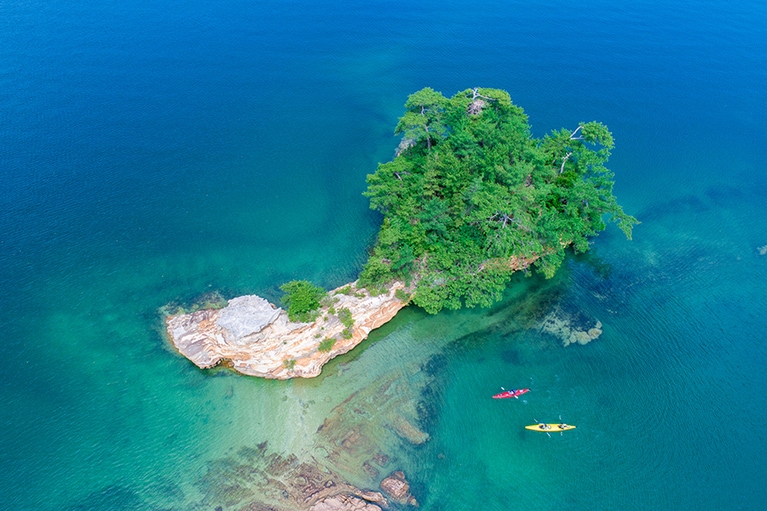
562	168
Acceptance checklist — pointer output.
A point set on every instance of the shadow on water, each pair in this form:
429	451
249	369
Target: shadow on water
687	204
600	267
435	365
511	356
431	396
724	195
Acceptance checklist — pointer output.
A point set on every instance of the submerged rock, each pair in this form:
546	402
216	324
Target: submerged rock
406	430
344	503
569	329
255	479
397	487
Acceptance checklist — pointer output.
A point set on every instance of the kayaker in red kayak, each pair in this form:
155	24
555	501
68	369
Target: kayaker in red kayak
510	393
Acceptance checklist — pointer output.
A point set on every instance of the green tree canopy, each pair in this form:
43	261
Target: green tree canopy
302	299
424	117
472	191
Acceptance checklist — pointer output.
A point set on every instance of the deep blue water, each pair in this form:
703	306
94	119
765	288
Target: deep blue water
150	153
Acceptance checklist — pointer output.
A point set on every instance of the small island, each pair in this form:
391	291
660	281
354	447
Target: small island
470	198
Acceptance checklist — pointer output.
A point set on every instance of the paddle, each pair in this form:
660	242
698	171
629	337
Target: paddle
536	421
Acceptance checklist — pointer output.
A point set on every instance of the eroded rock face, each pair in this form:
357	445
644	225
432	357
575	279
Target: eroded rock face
257	339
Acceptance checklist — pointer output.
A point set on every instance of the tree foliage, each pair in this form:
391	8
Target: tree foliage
302	299
326	344
472	191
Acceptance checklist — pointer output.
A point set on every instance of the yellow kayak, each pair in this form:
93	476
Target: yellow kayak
549	428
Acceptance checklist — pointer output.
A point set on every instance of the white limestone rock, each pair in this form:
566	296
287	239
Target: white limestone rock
246	315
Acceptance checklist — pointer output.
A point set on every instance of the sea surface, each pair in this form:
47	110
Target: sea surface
156	153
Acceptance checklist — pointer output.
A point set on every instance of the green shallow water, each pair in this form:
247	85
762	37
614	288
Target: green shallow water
154	154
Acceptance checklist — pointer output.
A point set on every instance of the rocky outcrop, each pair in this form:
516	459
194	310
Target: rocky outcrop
397	487
256	338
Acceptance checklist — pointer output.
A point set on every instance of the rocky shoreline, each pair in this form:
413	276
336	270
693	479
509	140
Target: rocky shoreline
256	338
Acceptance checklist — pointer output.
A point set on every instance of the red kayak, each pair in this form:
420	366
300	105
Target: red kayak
510	393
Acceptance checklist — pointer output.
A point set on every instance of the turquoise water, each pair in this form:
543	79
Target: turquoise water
153	153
